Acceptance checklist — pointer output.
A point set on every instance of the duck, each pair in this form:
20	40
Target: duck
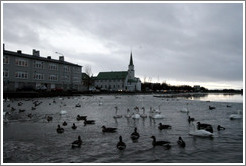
81	117
161	126
64	123
49	118
121	145
88	121
211	108
22	110
74	126
77	143
143	115
59	129
108	129
128	115
235	116
190	119
135	135
78	105
200	133
116	115
181	142
220	128
205	126
159	143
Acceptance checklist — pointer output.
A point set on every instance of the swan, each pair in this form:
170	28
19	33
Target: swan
158	116
200	133
121	145
128	115
116	115
63	112
235	116
136	115
143	115
184	110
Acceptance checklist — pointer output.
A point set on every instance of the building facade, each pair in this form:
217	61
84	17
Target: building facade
33	72
118	80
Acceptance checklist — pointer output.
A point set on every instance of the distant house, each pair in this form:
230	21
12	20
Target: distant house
33	72
118	80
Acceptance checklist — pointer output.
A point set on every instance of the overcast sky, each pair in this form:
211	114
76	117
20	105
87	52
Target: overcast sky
176	43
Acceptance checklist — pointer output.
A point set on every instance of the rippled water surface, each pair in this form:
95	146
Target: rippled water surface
34	140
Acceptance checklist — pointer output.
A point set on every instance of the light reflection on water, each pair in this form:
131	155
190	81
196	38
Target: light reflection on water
236	98
36	141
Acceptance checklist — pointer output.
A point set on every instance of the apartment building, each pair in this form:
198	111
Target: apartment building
32	72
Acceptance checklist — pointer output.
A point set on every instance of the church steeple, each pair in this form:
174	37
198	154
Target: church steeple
131	61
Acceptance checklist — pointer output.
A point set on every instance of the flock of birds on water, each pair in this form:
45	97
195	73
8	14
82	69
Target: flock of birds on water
200	129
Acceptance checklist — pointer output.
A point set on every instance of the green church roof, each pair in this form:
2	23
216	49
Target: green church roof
114	75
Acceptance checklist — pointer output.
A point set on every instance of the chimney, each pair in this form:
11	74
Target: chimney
19	51
61	58
35	53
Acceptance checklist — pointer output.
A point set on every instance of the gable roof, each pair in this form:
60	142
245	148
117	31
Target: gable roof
114	75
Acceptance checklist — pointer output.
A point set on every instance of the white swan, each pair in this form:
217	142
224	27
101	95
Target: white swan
143	115
63	112
158	116
136	115
200	133
184	110
236	116
128	115
116	115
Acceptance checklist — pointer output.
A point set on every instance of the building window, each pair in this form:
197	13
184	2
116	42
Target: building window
21	62
5	73
66	68
53	77
53	66
76	79
38	76
66	78
21	75
5	59
38	64
76	69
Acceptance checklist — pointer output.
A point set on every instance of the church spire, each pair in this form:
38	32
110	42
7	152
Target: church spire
131	61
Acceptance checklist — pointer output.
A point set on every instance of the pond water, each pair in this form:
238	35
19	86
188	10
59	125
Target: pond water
35	140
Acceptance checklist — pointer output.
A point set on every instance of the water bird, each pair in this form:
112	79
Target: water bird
13	109
211	108
33	108
29	115
49	118
108	129
135	135
74	126
200	133
143	115
128	115
88	121
59	129
160	143
20	104
64	123
22	110
63	112
184	110
116	113
190	119
220	128
81	117
181	142
205	126
228	105
136	115
121	145
158	116
78	105
161	126
235	116
77	143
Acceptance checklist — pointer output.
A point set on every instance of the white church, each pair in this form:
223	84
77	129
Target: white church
118	80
